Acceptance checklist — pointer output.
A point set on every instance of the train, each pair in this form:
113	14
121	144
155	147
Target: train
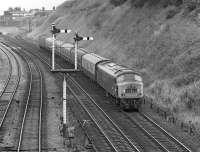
122	83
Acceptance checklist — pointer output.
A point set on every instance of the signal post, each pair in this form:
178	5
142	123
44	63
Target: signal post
55	31
65	72
78	38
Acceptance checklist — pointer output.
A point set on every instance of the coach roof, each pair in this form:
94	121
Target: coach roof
116	69
94	58
67	45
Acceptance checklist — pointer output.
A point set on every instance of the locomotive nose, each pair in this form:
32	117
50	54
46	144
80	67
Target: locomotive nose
130	90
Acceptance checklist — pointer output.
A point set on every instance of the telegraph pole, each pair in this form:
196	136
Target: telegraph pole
29	24
53	46
64	105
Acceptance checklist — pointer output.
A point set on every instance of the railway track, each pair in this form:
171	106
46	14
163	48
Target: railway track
8	93
30	129
115	136
9	72
10	86
160	136
156	134
30	133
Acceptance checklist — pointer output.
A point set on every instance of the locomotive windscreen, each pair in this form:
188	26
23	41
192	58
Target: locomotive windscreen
129	77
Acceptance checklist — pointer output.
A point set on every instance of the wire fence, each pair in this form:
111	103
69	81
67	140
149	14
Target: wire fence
186	126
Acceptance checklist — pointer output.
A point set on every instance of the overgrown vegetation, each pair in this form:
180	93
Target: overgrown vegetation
176	100
163	3
117	2
171	13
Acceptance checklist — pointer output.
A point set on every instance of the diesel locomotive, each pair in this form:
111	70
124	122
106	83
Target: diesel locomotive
124	84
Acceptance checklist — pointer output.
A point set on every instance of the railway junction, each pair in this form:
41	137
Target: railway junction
42	111
100	76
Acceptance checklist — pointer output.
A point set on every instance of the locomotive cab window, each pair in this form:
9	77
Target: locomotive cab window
129	77
138	78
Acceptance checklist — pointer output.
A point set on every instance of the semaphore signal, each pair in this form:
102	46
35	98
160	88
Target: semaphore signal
78	38
55	31
88	38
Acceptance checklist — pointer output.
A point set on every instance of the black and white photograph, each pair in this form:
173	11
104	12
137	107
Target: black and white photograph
100	76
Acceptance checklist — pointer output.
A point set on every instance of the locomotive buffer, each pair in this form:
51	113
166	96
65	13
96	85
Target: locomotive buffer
77	38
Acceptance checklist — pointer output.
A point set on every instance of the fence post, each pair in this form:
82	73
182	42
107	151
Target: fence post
151	105
165	115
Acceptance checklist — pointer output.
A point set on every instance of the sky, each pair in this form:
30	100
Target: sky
29	4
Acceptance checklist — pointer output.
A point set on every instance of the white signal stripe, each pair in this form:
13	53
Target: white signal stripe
65	31
88	38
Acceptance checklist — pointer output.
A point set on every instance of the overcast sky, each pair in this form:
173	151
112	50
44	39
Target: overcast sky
28	4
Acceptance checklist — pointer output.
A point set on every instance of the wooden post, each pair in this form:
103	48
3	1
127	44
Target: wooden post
76	50
53	52
64	106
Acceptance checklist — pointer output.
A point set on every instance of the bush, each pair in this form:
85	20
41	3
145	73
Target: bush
165	3
117	2
171	13
189	97
139	3
191	7
163	93
153	2
177	2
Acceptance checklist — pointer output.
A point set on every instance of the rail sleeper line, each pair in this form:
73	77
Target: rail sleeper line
179	145
10	87
98	141
30	132
31	94
9	73
163	140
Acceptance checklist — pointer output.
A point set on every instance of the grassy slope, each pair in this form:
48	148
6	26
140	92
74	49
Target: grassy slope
161	40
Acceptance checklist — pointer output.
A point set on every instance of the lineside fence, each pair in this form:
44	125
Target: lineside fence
169	116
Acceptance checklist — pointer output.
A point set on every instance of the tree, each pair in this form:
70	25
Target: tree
10	9
17	9
117	2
